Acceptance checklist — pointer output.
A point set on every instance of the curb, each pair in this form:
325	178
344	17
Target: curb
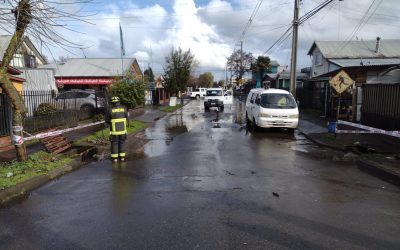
12	193
379	170
322	143
21	189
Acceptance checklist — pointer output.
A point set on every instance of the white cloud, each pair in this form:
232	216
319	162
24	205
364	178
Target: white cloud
211	30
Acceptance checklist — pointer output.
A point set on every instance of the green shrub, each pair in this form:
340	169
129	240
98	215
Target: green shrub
130	90
98	118
45	109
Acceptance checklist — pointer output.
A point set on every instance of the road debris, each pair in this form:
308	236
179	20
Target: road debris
228	172
275	194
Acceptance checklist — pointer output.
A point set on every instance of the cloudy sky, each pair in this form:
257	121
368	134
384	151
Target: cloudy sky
211	29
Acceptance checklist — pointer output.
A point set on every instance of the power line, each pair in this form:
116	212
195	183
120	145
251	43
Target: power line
301	20
252	16
364	20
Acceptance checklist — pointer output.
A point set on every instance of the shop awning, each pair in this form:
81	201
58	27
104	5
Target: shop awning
89	81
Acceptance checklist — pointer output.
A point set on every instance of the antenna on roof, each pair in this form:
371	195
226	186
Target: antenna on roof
83	52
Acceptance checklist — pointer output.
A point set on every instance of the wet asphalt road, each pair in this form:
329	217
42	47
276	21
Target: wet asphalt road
210	185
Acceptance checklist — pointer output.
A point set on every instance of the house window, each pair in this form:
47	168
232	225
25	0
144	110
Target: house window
30	61
317	58
17	61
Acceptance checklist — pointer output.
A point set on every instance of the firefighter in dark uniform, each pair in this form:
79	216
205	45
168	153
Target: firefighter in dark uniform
117	117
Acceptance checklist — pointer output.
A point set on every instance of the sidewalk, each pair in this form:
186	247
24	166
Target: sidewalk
147	114
377	153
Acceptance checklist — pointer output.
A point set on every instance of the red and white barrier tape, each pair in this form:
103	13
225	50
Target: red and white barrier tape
369	130
57	132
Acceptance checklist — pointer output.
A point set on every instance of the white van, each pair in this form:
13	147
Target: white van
271	108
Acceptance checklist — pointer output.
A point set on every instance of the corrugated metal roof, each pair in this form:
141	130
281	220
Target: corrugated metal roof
39	79
274	63
271	75
358	49
98	67
286	75
366	62
4	41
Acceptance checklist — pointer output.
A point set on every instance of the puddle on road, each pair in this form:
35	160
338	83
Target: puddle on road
183	121
166	129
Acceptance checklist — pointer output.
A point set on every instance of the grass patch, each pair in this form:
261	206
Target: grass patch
171	108
38	163
328	137
31	142
103	135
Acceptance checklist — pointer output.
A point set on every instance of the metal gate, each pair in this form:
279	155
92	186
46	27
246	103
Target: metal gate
5	115
381	106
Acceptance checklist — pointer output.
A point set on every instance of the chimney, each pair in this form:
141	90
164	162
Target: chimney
377	44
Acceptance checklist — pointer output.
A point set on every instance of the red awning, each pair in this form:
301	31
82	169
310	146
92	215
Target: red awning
94	81
17	79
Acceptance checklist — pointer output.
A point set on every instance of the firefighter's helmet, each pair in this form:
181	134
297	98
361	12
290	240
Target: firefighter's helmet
115	99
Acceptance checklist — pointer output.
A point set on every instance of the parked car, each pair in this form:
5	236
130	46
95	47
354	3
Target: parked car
271	108
85	101
198	93
217	97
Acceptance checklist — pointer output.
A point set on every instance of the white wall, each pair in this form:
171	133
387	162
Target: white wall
321	68
39	79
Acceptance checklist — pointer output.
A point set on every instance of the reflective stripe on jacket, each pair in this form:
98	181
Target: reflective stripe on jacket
118	121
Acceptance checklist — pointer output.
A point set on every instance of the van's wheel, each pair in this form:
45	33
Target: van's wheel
248	122
291	130
254	126
198	97
206	108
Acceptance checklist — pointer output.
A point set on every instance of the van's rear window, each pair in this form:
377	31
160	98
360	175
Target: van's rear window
283	101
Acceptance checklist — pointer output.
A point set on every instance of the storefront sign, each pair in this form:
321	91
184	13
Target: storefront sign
94	81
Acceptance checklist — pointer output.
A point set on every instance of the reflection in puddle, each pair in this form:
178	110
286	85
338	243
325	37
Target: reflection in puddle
183	121
165	129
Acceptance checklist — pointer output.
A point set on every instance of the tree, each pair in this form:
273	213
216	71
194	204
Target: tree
221	83
178	67
149	74
193	81
261	65
206	79
130	89
39	19
239	63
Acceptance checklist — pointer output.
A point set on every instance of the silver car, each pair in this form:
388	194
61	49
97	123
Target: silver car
84	100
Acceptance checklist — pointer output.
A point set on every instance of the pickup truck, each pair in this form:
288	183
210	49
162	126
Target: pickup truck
217	97
197	93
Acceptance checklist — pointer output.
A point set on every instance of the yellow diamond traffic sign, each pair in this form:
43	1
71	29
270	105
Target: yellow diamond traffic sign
341	81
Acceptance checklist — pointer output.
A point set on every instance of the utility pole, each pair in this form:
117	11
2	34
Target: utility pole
294	48
241	62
